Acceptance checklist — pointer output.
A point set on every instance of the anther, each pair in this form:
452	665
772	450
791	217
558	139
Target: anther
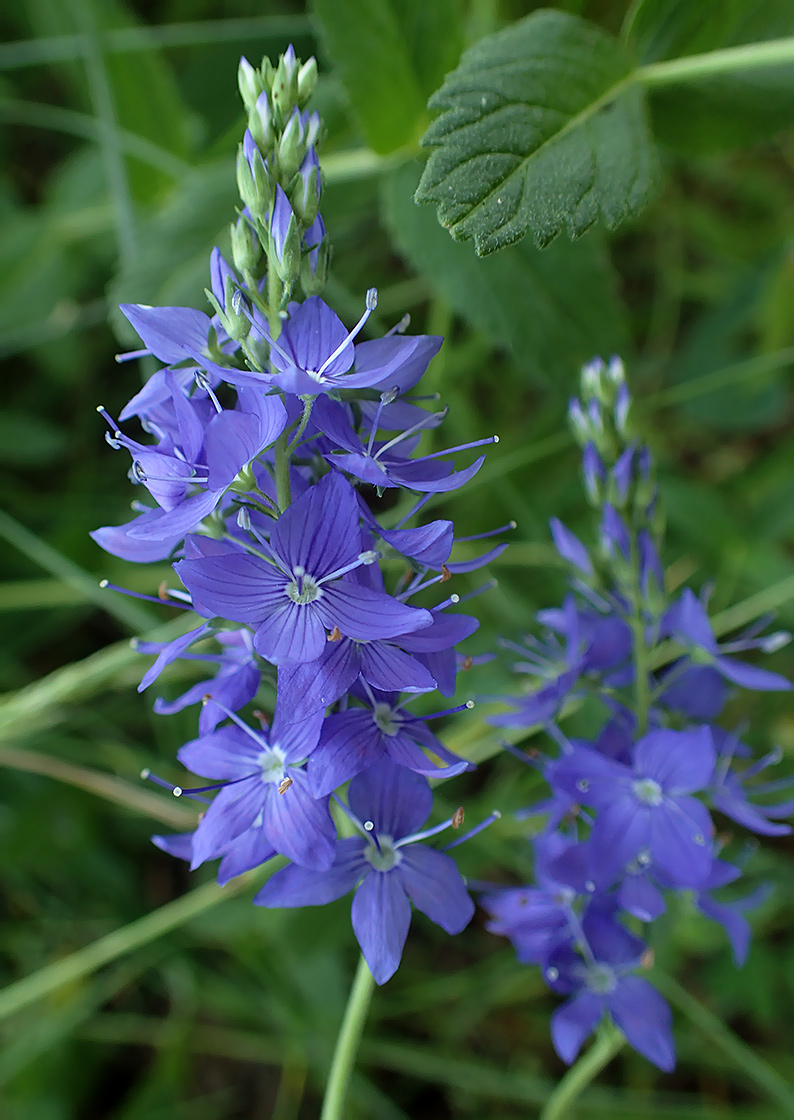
103	583
454	598
162	591
205	699
369	826
647	958
445	573
145	774
457	817
468	661
372	299
335	635
177	791
469	704
284	784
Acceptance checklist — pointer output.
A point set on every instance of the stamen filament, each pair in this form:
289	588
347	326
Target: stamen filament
490	533
494	816
371	304
460	447
103	583
417	427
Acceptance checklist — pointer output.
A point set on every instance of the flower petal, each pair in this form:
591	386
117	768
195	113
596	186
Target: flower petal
234	585
381	916
300	886
299	826
680	761
362	613
436	887
645	1019
572	1022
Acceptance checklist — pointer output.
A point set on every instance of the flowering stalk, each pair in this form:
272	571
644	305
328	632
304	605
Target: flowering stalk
347	1043
608	1043
272	427
630	817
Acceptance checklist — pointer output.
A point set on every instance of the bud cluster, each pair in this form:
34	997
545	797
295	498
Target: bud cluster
278	176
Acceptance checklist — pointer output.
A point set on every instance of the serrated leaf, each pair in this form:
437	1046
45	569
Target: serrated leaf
542	129
526	300
390	55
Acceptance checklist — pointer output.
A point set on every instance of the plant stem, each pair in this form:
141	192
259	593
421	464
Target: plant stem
764	1076
582	1072
751	56
275	292
347	1043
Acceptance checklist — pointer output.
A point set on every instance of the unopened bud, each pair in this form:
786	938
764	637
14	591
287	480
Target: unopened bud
291	146
304	194
260	123
285	84
285	239
249	82
314	263
246	254
307	81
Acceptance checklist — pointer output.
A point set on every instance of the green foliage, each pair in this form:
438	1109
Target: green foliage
390	55
541	129
525	299
716	113
229	1011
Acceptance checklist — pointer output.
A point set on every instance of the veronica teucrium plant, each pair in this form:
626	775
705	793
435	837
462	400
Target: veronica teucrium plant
262	447
630	820
267	437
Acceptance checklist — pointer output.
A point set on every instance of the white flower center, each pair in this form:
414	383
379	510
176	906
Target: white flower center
272	766
386	720
648	791
303	589
385	859
601	979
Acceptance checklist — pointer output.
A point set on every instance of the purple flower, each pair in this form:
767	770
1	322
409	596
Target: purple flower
647	808
356	739
600	983
387	464
697	688
388	867
729	795
265	788
730	914
293	600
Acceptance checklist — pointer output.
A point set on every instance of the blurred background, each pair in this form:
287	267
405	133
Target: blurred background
119	121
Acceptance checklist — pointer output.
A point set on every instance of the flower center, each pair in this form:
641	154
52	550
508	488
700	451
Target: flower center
648	791
272	766
601	979
388	723
303	589
385	859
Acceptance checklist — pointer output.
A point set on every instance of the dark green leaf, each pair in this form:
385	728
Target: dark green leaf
390	55
541	129
527	300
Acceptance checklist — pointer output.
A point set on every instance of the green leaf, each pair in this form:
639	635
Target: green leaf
525	299
541	129
390	55
725	111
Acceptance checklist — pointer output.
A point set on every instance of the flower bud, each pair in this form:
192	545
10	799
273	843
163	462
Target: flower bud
260	123
594	474
292	146
284	238
285	84
246	249
305	192
591	379
316	255
268	72
249	82
256	188
307	81
578	421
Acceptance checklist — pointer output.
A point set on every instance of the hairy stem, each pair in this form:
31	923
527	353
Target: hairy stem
275	292
751	56
347	1043
608	1041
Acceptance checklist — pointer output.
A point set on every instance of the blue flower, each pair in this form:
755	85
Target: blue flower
298	594
388	867
647	807
600	982
264	787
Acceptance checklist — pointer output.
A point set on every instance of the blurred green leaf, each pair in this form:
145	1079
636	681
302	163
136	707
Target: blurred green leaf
390	55
541	129
726	111
525	299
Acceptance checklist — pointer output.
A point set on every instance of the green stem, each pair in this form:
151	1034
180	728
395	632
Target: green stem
640	651
751	56
582	1072
275	292
739	1054
347	1043
308	405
